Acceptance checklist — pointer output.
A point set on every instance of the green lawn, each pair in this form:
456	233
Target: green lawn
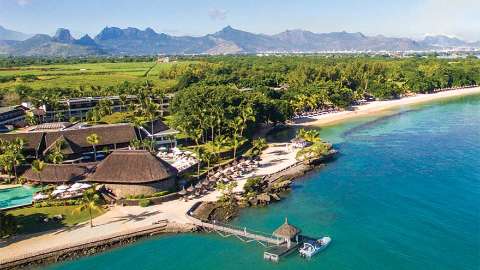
98	74
30	220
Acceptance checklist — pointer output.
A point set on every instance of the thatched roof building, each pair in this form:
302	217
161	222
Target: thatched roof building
38	143
134	172
132	166
60	173
286	231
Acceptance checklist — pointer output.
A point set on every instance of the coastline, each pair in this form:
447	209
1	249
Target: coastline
375	107
123	220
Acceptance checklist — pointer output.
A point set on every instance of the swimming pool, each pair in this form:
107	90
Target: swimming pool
16	196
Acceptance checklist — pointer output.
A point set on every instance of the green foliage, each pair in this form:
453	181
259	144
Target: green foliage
144	202
91	202
8	225
51	203
316	150
252	185
143	196
312	135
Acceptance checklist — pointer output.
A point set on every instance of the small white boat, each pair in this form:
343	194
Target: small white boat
311	248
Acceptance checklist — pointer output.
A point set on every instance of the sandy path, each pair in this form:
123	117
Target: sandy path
378	106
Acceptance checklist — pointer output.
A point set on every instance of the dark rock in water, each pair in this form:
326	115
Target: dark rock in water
275	197
253	201
263	198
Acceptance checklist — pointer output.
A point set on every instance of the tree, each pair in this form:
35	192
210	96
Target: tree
8	225
93	139
91	202
227	199
56	156
38	166
258	145
312	135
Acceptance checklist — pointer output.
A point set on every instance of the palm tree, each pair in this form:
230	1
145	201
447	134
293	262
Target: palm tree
56	156
94	140
38	166
14	150
91	202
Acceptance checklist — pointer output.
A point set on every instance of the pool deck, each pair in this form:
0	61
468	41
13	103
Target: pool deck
6	186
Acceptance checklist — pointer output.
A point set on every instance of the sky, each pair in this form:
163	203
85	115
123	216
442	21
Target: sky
399	18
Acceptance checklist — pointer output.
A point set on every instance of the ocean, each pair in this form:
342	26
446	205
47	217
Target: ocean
403	194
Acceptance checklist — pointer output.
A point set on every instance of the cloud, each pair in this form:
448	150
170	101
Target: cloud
22	3
217	14
456	18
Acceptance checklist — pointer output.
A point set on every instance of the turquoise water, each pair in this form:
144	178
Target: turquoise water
16	196
403	194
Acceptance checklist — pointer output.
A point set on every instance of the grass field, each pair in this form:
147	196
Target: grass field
30	219
98	74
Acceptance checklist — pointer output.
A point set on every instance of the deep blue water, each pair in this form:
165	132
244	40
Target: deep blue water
403	194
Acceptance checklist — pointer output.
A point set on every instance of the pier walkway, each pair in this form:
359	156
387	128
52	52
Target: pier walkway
242	233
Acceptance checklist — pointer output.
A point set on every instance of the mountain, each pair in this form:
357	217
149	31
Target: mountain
61	44
133	41
443	41
6	34
63	36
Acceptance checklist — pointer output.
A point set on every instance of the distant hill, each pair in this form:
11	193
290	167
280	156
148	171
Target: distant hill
6	34
133	41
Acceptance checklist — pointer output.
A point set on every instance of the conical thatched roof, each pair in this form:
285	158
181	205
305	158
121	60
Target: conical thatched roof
132	167
286	231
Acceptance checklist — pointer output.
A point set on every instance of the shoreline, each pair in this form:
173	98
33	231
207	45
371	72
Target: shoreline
376	107
123	220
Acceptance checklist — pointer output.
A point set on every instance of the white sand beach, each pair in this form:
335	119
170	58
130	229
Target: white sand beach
379	106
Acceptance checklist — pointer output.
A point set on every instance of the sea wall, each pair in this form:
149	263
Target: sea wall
71	252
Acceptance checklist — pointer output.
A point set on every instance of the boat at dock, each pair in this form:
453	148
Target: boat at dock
312	247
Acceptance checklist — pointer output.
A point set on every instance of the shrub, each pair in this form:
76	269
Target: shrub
8	225
144	202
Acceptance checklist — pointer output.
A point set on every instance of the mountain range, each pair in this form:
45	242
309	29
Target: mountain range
133	41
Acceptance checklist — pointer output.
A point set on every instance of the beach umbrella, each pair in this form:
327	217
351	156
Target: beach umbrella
205	183
190	189
85	186
76	186
198	185
182	192
235	162
62	187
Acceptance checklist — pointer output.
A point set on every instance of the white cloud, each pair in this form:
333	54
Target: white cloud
217	14
453	17
23	3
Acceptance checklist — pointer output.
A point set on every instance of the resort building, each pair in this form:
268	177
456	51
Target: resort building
13	115
134	172
163	135
79	107
123	172
39	140
60	173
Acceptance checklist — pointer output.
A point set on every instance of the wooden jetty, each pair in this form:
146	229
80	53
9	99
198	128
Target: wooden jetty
282	242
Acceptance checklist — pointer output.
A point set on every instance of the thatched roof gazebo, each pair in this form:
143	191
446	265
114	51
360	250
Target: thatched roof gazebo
287	232
134	172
